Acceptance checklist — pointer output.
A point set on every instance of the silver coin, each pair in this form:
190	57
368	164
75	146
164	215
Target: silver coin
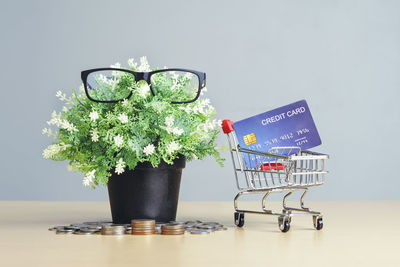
113	230
174	224
84	233
220	229
105	223
91	223
81	225
178	222
114	227
55	228
205	226
64	232
89	230
92	228
200	232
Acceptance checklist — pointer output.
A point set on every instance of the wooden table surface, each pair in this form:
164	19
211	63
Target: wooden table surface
356	233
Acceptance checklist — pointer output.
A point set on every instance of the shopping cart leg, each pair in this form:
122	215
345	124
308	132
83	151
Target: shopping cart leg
264	200
302	200
284	200
304	209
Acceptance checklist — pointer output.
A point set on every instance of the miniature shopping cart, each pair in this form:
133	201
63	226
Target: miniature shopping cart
281	169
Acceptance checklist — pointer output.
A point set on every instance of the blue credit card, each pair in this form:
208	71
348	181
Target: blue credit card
288	126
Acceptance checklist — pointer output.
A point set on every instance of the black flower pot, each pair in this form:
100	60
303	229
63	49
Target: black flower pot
146	192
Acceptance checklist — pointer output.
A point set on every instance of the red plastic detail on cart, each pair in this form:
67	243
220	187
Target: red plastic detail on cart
273	166
227	126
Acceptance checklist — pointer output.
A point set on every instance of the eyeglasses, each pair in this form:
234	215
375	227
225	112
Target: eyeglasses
110	85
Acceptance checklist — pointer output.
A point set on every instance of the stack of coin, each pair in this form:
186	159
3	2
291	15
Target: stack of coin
173	229
143	227
113	229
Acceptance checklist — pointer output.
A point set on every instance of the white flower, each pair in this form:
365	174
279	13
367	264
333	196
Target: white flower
53	150
64	109
94	115
64	124
88	178
132	63
149	149
143	89
111	81
144	65
68	126
116	66
169	121
188	75
95	135
72	168
47	131
123	118
61	96
202	106
186	108
120	167
205	126
118	140
55	119
86	182
177	131
125	102
172	147
116	74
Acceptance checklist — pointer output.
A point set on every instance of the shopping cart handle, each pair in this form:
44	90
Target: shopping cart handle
227	126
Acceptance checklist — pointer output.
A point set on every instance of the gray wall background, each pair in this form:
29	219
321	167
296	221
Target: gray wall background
342	56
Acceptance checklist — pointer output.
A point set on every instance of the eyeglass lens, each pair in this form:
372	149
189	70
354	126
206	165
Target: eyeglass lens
109	85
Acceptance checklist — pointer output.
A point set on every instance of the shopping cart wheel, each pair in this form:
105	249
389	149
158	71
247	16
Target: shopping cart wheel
284	224
239	219
318	223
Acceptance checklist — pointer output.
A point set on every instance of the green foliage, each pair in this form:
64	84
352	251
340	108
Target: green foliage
100	138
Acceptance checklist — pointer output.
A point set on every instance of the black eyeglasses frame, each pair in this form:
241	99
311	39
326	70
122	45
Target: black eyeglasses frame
143	76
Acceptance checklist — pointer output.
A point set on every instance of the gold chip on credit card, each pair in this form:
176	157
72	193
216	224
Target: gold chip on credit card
250	139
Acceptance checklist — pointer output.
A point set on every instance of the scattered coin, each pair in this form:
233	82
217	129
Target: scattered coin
55	228
220	229
140	227
84	233
64	232
200	232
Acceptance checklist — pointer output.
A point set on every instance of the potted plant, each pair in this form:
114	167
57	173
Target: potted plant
135	136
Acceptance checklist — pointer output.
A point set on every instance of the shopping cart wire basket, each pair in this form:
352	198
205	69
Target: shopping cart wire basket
280	169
